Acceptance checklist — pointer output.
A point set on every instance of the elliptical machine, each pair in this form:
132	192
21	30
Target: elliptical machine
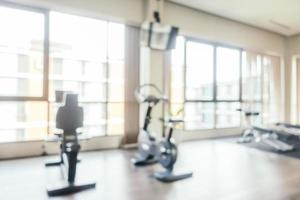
148	151
168	153
69	117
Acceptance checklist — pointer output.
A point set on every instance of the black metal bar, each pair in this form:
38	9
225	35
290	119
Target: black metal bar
147	117
215	74
107	76
241	77
184	79
170	133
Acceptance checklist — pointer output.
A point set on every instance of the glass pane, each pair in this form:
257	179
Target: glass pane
94	70
272	89
199	116
116	41
21	55
116	72
116	82
177	72
94	119
228	73
115	119
93	92
78	53
21	121
227	116
77	38
87	57
116	92
71	86
252	77
199	71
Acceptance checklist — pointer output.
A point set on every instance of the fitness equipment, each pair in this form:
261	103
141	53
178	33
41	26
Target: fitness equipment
261	134
291	129
168	155
69	117
147	144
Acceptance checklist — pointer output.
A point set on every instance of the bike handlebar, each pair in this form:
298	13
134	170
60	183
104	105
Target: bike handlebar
149	98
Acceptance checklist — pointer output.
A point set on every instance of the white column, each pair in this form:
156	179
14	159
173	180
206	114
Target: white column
152	69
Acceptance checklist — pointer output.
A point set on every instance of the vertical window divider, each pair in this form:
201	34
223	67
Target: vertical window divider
46	66
107	79
46	55
184	82
215	85
262	78
241	77
241	83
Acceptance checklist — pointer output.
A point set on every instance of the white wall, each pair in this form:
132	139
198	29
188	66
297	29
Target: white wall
199	24
190	21
126	11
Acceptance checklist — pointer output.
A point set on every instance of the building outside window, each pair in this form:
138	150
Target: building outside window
86	56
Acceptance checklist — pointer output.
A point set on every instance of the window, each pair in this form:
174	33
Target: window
86	56
21	55
212	81
211	84
199	71
23	120
228	73
262	86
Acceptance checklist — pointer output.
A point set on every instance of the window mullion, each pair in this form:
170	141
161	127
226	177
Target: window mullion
184	83
241	77
215	74
241	83
215	86
107	79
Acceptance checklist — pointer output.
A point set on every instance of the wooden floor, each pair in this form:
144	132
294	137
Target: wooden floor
222	171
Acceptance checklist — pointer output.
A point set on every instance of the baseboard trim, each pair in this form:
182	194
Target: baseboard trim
129	146
39	148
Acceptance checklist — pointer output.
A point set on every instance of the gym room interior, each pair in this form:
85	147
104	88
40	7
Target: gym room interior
150	99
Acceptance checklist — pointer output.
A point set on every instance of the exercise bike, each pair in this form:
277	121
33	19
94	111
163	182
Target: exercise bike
69	117
168	153
148	151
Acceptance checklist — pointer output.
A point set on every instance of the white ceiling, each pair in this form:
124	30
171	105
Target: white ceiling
280	16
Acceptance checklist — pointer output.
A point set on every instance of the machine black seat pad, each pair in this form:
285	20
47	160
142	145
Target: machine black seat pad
288	125
251	113
262	129
176	120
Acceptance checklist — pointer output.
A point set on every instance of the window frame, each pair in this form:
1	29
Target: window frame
46	73
45	13
214	100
